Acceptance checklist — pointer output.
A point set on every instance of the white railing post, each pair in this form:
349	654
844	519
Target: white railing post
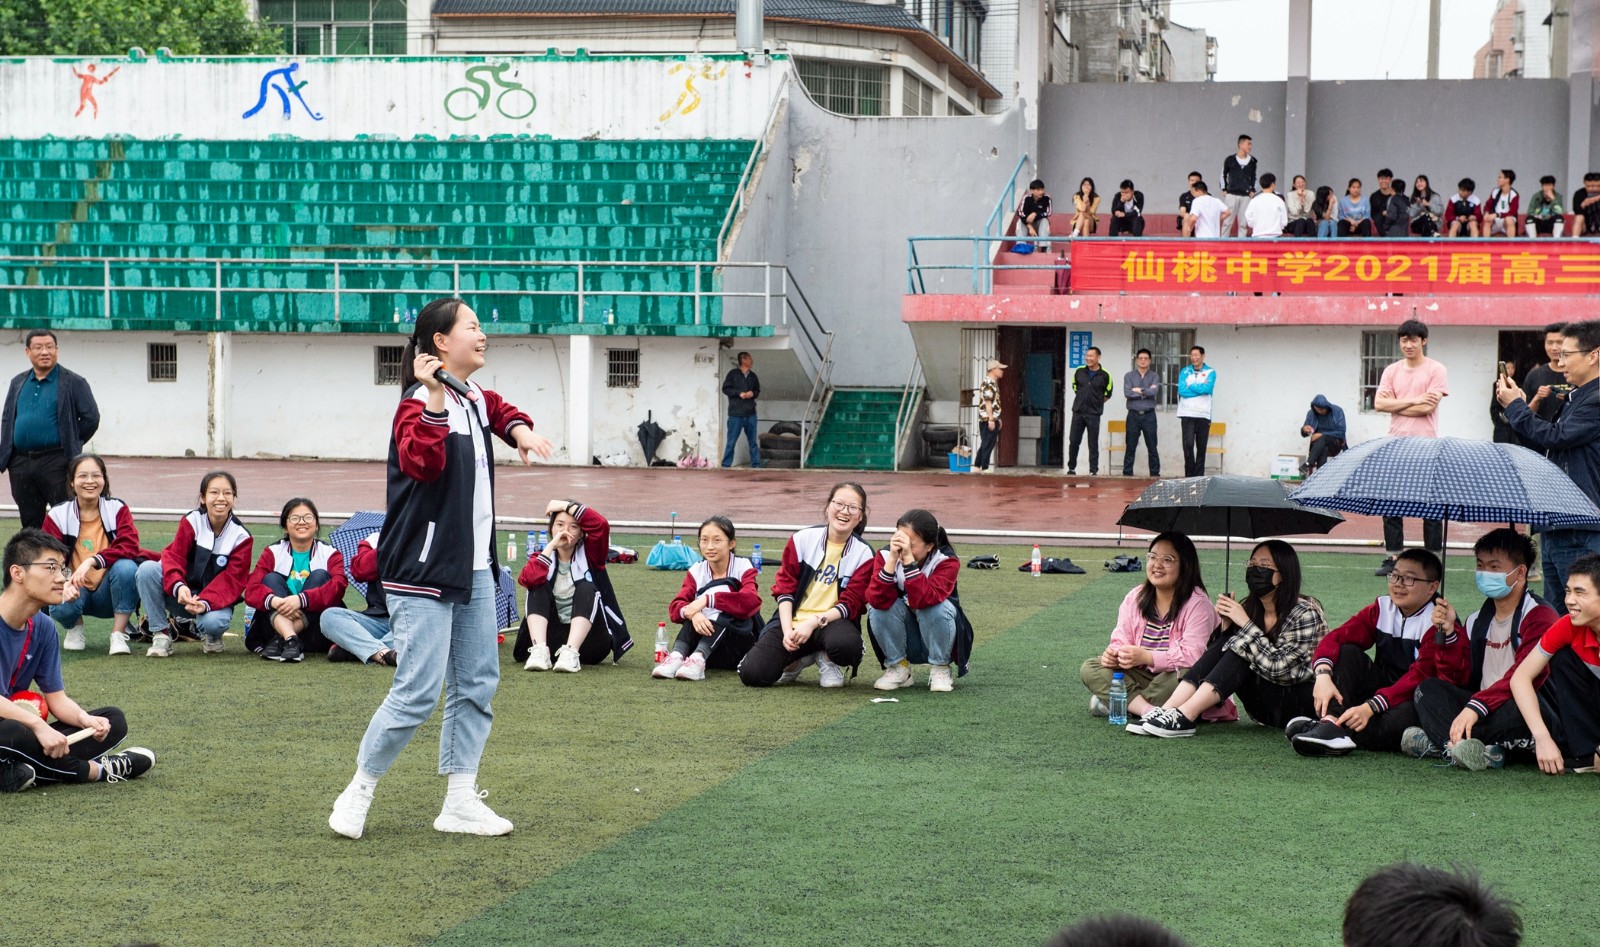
105	291
580	292
697	294
336	317
217	287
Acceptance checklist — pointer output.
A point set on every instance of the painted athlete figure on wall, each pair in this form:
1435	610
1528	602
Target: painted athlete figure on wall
86	90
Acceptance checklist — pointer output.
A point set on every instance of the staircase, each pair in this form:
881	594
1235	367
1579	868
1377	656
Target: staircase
858	431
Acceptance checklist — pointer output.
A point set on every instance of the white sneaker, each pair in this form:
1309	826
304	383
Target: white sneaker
693	669
566	660
895	677
667	669
470	816
538	658
349	816
940	679
212	646
119	643
832	675
74	639
160	646
793	671
1097	707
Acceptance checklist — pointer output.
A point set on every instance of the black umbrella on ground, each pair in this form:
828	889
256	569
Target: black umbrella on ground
1224	505
650	437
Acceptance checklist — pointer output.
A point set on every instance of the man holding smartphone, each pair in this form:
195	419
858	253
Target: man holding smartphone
1547	383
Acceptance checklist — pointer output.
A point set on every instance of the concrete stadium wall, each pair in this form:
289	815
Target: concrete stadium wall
682	97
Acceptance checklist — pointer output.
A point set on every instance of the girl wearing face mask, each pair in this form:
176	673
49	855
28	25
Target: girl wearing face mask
1261	651
570	595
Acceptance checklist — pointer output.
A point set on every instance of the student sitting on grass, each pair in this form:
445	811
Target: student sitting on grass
296	580
1261	651
1366	703
1571	650
1162	629
99	530
569	593
821	588
718	610
914	612
362	636
201	574
1409	905
1473	730
32	751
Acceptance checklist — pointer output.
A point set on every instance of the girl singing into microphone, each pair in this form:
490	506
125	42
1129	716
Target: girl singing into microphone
437	560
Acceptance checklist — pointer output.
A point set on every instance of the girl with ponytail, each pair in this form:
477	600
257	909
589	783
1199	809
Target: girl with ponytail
916	614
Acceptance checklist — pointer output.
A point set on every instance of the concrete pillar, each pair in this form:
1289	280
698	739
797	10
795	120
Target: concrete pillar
219	350
1296	121
1032	35
1583	69
579	398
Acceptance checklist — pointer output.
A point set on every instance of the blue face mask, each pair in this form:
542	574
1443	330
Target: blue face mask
1494	584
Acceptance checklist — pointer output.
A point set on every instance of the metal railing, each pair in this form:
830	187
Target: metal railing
979	265
1007	202
910	402
736	206
817	403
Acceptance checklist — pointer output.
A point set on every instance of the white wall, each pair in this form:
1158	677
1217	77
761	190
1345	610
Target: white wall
137	416
679	382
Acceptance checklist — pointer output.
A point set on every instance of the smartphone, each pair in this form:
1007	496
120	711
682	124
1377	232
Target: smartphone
1501	371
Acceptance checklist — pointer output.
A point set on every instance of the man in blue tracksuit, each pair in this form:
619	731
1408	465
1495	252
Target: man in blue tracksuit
1325	426
1195	384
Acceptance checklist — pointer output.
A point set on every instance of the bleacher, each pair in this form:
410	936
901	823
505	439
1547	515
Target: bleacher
414	213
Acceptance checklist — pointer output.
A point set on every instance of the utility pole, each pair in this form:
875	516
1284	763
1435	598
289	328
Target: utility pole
747	25
1433	38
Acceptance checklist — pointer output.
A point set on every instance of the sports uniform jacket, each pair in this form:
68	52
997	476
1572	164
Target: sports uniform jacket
214	565
122	537
364	568
588	563
279	558
733	602
803	556
1406	650
1528	624
923	584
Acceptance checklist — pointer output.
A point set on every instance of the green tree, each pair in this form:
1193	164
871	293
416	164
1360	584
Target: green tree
112	27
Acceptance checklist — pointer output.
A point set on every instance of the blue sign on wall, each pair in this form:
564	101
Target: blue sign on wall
1078	344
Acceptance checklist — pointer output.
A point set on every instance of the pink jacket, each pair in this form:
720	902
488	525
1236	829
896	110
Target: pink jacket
1190	632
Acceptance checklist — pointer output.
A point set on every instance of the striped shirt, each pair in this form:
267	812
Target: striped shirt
1157	635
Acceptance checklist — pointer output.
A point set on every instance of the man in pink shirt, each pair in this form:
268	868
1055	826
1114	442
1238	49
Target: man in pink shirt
1410	392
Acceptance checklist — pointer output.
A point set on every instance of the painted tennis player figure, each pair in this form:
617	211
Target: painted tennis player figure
86	89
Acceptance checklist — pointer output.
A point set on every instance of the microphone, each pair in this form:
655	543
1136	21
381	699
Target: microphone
455	384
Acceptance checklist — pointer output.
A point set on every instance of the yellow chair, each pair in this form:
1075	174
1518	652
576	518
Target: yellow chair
1116	440
1215	444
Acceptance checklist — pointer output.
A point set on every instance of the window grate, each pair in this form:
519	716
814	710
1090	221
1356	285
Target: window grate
622	368
1379	350
386	364
1169	353
161	362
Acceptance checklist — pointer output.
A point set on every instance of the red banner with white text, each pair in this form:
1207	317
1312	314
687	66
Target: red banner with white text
1363	267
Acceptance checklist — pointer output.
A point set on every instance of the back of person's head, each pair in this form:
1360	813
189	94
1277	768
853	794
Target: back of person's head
1268	179
1585	335
1413	328
1549	179
1429	563
1467	185
1116	930
1409	905
1515	545
27	546
1199	186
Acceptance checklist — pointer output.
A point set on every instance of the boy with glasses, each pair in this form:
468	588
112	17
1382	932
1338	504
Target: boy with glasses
1366	701
32	750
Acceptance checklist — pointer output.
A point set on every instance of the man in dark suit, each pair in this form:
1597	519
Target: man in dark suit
49	413
1127	212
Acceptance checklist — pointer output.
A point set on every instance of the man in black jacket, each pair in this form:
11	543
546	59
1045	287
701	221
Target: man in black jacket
742	388
49	413
1238	184
1127	212
1091	386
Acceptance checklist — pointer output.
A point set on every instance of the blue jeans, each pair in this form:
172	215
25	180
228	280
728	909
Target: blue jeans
1327	229
358	633
158	605
1558	548
937	624
439	645
747	426
117	595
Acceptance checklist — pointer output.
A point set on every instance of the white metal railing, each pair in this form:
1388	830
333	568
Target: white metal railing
910	402
817	402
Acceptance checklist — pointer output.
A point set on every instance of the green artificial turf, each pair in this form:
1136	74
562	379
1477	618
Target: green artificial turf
653	812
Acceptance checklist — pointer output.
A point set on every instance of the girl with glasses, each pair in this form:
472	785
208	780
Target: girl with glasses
296	579
201	575
99	530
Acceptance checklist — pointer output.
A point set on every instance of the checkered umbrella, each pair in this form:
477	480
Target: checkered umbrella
363	524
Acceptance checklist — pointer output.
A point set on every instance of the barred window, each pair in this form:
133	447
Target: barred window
1169	352
161	362
845	87
345	27
386	364
917	96
622	368
1378	351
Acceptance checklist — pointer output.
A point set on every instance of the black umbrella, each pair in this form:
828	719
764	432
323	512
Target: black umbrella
650	437
1224	505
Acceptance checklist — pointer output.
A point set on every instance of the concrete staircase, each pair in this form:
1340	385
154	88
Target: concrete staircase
858	431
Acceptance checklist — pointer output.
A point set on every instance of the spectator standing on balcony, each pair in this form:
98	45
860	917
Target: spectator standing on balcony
1091	387
1195	384
742	388
1427	207
1547	383
1127	211
1267	214
1355	216
49	414
1141	387
1325	210
1500	210
1298	204
1035	212
1409	392
1238	182
1207	216
1085	209
1586	204
1185	200
1546	218
1463	215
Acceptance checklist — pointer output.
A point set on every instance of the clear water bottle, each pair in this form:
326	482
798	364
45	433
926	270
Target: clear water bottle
661	642
249	616
511	547
1037	562
677	540
494	315
544	540
397	315
1118	701
534	548
755	557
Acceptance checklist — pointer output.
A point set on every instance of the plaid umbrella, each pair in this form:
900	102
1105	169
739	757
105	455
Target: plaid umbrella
363	524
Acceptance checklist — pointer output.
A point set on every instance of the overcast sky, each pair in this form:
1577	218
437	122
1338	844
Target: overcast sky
1350	39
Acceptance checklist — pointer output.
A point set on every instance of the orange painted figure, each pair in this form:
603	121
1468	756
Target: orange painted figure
86	91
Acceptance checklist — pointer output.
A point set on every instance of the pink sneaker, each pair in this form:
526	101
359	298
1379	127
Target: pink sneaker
694	669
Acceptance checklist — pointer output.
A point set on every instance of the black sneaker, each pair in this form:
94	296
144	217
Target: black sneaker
15	776
388	658
1298	726
338	655
1385	567
1325	739
131	763
1578	764
292	649
1169	725
273	651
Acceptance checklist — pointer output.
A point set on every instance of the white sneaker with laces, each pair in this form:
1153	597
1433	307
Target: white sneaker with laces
470	816
538	658
73	641
939	679
693	669
160	646
895	676
119	643
349	816
1097	707
831	675
566	660
668	669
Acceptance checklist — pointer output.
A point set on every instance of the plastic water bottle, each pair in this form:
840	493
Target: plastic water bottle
249	616
661	642
511	547
755	557
1118	709
544	540
1037	562
494	315
397	315
677	540
533	548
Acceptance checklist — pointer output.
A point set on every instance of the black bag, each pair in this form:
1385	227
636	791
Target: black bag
1053	566
1124	564
983	562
